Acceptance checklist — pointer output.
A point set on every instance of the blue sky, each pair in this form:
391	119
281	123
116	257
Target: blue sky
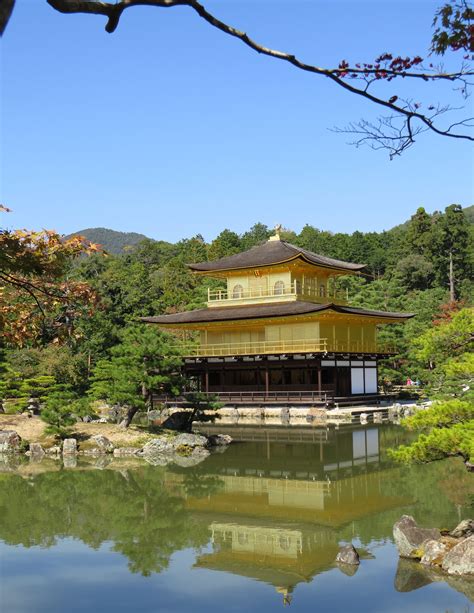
170	128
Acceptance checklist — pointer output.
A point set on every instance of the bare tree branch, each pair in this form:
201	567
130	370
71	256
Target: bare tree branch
369	73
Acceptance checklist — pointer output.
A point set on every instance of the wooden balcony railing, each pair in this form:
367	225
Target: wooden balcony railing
294	289
320	345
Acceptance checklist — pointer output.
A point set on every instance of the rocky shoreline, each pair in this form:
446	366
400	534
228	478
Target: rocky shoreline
183	449
443	551
450	551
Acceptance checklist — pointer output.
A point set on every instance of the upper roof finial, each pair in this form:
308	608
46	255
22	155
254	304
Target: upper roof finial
276	236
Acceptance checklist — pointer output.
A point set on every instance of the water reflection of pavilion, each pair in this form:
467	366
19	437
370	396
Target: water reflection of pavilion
276	516
282	557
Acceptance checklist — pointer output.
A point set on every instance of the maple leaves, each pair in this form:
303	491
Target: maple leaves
385	67
39	297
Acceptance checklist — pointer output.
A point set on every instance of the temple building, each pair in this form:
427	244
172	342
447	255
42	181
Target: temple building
278	329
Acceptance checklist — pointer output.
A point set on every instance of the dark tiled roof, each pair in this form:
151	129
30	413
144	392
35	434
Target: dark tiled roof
272	252
281	309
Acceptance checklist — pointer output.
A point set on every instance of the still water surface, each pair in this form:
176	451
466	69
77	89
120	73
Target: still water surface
254	528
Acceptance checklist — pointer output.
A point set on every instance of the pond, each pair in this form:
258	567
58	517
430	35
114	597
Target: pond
253	528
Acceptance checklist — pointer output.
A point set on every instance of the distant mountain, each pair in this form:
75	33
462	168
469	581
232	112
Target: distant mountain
111	240
118	242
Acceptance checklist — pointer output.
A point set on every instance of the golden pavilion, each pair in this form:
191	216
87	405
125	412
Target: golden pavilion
279	330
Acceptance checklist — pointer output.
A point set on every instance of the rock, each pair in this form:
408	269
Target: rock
364	418
460	560
434	552
36	451
55	450
102	443
122	452
157	446
189	440
9	441
218	440
409	538
378	417
465	528
69	446
348	555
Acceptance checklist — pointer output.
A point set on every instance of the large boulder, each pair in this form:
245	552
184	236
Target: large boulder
348	555
36	451
189	440
465	528
409	537
10	441
460	560
102	443
433	553
158	446
69	446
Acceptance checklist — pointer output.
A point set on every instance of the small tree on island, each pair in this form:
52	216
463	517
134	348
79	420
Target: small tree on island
61	412
143	363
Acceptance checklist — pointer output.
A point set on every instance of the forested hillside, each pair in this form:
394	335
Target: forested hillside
408	269
111	241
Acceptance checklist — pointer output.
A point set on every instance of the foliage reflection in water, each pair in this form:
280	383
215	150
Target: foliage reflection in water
268	514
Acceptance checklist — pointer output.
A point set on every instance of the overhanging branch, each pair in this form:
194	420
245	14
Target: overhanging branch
113	11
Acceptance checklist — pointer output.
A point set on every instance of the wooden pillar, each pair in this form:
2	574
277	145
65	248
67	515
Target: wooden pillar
267	381
320	378
206	381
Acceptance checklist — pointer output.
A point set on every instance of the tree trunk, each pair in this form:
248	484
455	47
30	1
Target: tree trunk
452	295
127	420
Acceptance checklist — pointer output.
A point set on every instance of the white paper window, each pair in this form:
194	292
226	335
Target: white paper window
357	380
370	380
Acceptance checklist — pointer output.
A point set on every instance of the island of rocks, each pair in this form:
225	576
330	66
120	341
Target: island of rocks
184	449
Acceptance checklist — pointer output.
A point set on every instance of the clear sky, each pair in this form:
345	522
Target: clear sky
170	128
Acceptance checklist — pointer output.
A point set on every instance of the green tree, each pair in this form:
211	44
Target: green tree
61	411
257	235
451	250
143	363
447	427
419	233
226	243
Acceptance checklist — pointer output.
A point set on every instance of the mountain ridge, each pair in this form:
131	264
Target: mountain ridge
116	242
